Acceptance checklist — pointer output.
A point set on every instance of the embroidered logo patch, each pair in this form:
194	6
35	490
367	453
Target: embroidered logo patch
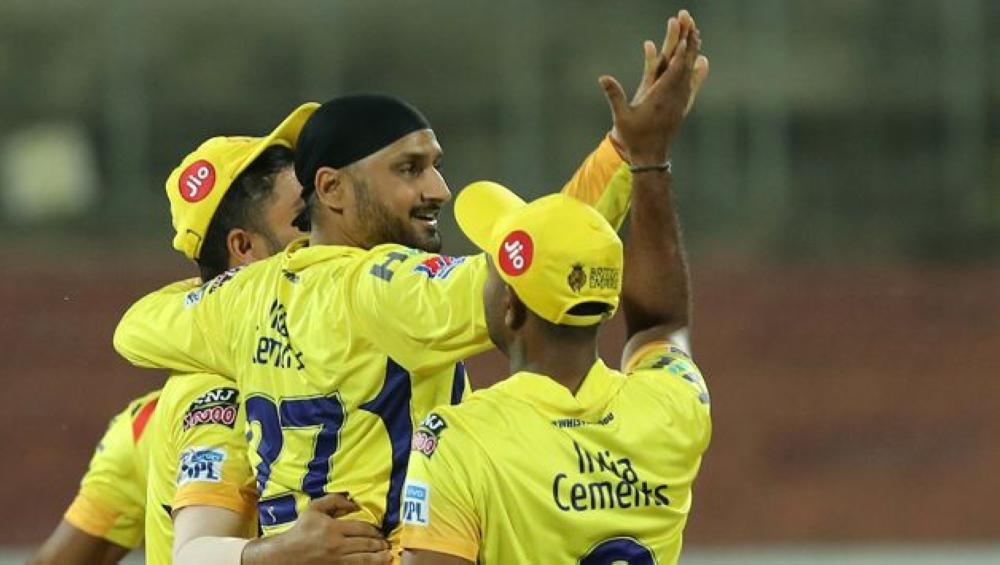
416	504
201	464
427	436
217	406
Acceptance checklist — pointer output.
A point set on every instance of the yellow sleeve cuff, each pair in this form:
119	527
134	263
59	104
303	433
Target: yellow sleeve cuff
218	496
96	518
651	348
91	516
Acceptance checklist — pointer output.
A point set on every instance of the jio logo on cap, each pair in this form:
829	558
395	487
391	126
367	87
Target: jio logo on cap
516	253
196	181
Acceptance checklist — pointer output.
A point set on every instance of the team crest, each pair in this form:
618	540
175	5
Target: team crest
577	278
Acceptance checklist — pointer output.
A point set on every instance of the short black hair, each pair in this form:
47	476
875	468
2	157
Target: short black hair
242	207
566	332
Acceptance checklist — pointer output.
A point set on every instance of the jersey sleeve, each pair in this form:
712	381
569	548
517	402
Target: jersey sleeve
208	436
439	500
423	310
603	181
179	327
111	502
676	384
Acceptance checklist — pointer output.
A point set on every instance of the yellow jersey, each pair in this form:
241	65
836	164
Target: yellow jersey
527	472
200	458
111	502
338	352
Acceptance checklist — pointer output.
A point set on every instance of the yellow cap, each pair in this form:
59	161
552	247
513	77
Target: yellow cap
196	187
555	252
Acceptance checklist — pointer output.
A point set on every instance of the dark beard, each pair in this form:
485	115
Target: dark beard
383	227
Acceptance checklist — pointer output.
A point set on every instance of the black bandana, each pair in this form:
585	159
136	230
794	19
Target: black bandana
348	129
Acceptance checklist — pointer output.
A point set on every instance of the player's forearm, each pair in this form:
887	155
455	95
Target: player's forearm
70	545
656	288
269	550
222	550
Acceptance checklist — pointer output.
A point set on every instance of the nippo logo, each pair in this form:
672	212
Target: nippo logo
196	181
516	253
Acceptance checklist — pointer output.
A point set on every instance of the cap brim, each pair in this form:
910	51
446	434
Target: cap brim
287	132
478	208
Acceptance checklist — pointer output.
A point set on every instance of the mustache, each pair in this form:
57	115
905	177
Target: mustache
425	209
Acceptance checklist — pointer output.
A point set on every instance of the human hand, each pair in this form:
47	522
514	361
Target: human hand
319	536
671	79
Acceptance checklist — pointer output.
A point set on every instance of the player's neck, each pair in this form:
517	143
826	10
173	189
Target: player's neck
327	231
566	362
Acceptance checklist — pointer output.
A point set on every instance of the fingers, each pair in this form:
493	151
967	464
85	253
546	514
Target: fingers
362	545
366	558
698	77
679	61
700	70
359	529
694	48
650	61
334	505
615	95
686	23
672	37
669	44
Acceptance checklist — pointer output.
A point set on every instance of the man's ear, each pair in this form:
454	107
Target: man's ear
239	244
331	189
515	312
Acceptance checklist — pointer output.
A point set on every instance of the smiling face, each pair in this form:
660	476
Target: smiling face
398	193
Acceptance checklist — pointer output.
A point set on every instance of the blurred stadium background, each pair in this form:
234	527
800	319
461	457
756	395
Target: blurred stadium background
839	184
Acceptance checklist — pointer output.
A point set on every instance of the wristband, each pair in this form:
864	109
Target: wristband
664	168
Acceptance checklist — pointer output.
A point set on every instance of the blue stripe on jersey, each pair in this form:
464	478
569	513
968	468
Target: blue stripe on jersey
392	406
458	385
278	510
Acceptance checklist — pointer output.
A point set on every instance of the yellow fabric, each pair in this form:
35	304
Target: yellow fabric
604	181
555	252
338	352
198	417
196	187
112	498
305	334
504	476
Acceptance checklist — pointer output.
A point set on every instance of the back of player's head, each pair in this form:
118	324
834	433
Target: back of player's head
197	186
242	207
559	255
347	129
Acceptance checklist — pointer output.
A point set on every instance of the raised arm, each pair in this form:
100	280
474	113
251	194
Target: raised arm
604	180
656	295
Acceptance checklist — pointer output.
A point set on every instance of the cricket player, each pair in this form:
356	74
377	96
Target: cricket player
568	461
232	202
340	344
105	520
